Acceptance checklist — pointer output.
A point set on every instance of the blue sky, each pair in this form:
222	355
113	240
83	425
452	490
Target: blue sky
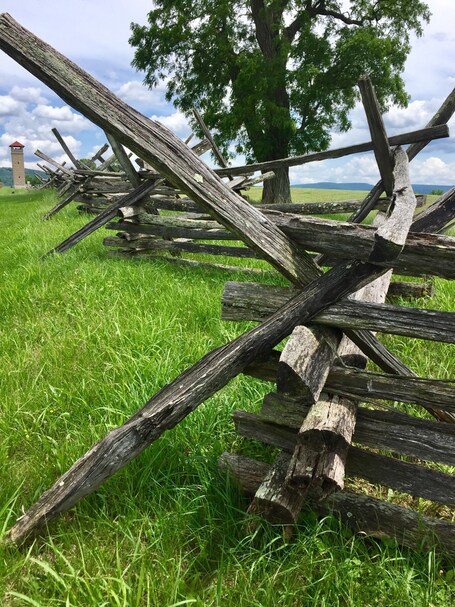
94	34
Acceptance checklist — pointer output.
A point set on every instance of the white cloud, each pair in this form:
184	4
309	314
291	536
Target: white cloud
29	94
362	168
415	116
61	117
135	93
28	118
9	106
175	122
433	170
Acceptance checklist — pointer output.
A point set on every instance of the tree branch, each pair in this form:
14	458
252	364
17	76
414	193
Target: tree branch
312	10
294	28
340	17
319	8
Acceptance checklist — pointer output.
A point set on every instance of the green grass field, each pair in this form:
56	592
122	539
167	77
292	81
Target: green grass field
86	340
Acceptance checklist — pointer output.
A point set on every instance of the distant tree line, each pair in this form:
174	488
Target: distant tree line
6	176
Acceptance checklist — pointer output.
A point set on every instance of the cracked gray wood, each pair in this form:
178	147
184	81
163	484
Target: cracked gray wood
422	135
441	117
390	237
281	416
362	513
254	301
381	149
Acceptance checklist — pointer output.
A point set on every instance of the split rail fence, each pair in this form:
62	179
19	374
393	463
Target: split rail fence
328	414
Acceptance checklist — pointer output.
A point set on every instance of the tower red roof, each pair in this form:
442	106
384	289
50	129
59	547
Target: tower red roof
17	144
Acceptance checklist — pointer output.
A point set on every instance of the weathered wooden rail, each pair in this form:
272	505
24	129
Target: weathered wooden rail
317	410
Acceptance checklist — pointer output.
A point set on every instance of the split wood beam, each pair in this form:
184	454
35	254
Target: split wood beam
54	163
309	353
382	151
256	302
46	169
320	208
441	117
170	229
282	503
306	360
216	150
201	147
319	458
430	393
368	385
124	160
422	254
134	197
296	208
400	384
318	462
281	416
390	236
77	188
76	163
425	135
436	217
99	154
172	246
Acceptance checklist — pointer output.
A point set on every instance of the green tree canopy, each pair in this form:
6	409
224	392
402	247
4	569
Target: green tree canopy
276	76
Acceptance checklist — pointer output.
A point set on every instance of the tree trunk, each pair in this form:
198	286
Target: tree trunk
278	189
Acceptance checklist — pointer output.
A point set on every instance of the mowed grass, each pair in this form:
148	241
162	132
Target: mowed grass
313	194
86	341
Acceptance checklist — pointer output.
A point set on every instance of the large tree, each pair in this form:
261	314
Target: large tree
276	76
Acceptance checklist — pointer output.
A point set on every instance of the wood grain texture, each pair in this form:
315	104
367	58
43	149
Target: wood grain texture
76	163
399	475
432	393
322	446
441	117
50	160
152	244
326	433
437	216
173	231
306	360
253	301
390	237
381	149
362	513
281	417
105	216
124	161
76	189
423	254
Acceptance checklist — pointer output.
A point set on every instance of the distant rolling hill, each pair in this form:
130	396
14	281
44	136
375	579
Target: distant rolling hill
6	175
420	188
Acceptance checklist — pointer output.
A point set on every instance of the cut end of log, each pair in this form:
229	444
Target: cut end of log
321	472
272	512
